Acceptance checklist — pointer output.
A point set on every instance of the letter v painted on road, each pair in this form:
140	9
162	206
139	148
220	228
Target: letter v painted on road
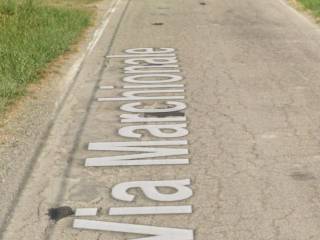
155	233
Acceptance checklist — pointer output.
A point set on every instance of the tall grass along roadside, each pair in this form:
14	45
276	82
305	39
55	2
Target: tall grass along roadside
32	35
313	5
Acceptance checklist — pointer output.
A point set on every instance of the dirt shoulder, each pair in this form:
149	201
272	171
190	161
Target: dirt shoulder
26	124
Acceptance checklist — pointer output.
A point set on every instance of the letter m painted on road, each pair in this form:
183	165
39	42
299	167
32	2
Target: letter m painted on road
142	153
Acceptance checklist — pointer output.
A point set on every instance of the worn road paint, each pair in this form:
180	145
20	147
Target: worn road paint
98	33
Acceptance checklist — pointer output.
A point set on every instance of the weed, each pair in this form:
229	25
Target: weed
7	7
32	35
313	5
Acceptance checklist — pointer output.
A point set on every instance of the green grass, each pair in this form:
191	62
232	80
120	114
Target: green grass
313	5
31	36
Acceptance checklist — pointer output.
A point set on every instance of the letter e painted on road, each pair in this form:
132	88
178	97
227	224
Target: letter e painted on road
149	50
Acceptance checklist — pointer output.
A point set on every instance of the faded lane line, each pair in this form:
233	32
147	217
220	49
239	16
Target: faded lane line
98	33
76	67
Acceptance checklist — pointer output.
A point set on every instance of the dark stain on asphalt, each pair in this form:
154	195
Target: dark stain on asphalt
157	24
203	3
302	176
56	214
165	114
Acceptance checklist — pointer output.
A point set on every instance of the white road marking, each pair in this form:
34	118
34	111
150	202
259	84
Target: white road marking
98	33
82	212
91	45
173	130
149	50
132	107
141	55
155	210
136	118
151	190
168	78
170	68
147	152
159	233
133	95
106	87
154	86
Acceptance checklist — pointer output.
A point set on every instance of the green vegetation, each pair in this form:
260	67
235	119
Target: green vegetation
313	5
31	36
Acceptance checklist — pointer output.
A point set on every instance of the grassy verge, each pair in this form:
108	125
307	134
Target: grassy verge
312	5
31	36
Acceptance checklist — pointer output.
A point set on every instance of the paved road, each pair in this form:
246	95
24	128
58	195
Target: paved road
242	147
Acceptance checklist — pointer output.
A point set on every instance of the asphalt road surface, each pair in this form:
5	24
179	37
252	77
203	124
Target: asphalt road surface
186	120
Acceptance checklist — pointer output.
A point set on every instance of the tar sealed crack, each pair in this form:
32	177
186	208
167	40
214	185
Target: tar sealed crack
157	23
164	114
56	214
